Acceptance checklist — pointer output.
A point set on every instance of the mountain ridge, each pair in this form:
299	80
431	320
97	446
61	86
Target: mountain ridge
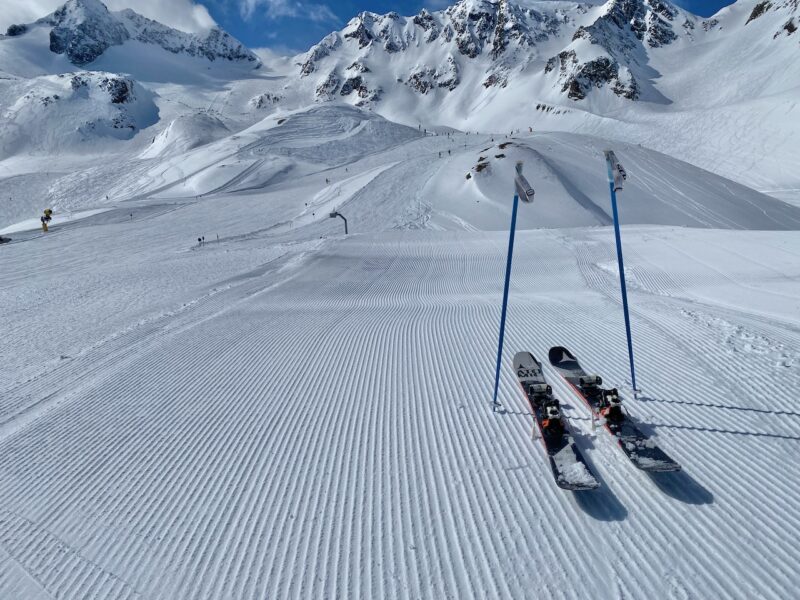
84	29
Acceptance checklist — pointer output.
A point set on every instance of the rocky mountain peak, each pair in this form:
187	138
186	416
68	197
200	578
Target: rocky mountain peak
84	29
439	45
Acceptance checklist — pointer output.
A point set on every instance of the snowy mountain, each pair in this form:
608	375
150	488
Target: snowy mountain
642	70
212	389
82	78
578	50
84	29
584	48
598	46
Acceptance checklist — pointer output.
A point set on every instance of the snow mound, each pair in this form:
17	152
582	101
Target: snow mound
329	133
186	133
299	142
569	175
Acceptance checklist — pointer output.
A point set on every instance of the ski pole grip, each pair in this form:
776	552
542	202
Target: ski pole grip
524	190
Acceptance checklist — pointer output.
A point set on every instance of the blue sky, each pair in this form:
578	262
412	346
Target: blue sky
298	24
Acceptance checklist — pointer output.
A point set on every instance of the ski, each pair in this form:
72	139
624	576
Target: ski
567	463
606	404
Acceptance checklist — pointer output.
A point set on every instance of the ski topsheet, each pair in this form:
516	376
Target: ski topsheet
569	467
605	403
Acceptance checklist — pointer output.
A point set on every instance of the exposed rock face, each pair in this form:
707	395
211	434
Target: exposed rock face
758	10
361	33
264	101
622	33
120	90
358	67
84	29
447	75
423	80
354	84
327	88
328	45
15	30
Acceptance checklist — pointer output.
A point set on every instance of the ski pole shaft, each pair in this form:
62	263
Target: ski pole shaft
505	299
622	284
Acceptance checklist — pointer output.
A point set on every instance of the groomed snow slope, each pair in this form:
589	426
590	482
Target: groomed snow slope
320	426
284	412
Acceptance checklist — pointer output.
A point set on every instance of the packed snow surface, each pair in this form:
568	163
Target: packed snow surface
286	411
208	391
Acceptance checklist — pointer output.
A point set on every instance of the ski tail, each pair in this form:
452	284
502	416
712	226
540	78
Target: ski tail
563	359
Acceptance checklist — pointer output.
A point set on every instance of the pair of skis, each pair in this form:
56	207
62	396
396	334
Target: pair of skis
569	467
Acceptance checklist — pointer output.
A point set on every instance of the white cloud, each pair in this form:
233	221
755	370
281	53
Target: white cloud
275	9
181	14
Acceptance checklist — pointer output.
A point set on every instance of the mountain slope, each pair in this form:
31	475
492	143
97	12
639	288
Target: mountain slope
58	113
209	391
641	70
83	30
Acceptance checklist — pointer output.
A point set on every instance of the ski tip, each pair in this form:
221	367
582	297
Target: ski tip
523	357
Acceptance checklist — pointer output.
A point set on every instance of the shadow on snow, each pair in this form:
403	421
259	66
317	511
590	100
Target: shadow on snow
600	504
682	486
722	406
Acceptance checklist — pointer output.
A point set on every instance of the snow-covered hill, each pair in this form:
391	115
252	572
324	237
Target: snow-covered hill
209	391
597	56
642	70
719	93
58	113
277	415
83	30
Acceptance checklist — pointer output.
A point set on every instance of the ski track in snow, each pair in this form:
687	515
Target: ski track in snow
326	432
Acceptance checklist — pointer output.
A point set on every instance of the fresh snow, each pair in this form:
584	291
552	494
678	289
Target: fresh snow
286	411
57	219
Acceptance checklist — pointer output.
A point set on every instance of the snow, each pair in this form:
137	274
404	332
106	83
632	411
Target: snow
574	473
286	411
703	96
56	219
184	423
